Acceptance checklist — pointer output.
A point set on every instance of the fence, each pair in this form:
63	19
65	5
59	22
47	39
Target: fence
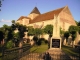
38	56
16	53
25	54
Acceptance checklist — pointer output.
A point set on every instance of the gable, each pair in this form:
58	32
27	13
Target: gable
66	10
66	16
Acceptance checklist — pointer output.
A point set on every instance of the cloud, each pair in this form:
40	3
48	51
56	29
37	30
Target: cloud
5	20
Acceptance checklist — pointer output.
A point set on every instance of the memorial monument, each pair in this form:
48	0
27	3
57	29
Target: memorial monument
55	41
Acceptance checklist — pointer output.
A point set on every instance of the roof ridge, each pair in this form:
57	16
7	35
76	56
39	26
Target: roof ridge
23	17
54	10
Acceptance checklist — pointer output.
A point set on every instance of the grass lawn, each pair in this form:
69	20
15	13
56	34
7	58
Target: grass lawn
70	51
39	49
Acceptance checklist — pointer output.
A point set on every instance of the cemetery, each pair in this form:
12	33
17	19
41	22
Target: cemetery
41	37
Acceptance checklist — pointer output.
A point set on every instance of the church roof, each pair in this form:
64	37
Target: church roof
23	17
35	10
47	15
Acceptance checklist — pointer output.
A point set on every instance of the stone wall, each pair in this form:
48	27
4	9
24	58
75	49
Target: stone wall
66	19
32	16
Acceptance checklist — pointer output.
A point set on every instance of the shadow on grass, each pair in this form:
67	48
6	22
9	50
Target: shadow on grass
34	50
70	51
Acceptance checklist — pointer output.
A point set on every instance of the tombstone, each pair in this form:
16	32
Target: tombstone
56	40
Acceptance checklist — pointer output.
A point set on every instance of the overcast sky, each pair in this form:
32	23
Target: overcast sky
13	9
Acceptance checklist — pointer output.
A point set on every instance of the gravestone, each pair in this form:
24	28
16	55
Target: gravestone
55	41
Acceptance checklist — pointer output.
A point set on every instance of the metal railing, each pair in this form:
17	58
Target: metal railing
25	54
16	53
40	56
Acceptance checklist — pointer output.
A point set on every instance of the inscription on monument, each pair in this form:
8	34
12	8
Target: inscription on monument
55	43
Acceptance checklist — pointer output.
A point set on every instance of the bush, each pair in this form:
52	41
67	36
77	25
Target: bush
9	44
35	38
42	41
46	41
39	42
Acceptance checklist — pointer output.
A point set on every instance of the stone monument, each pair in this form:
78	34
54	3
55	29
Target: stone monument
55	41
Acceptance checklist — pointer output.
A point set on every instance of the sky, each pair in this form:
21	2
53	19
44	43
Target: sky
13	9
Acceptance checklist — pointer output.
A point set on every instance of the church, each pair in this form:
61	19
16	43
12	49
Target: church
38	20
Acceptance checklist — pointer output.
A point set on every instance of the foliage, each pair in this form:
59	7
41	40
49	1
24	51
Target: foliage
48	29
13	21
62	31
37	31
76	22
1	3
1	36
10	35
30	31
35	38
66	34
21	29
9	44
79	29
79	23
74	36
73	30
16	35
39	42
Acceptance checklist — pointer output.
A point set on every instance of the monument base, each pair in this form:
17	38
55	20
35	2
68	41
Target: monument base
55	43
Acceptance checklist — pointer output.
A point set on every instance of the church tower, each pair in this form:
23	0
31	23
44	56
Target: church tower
35	12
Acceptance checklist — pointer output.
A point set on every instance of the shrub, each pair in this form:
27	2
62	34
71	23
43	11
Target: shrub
9	44
35	38
46	41
39	42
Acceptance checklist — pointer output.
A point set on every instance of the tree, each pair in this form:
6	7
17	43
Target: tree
1	36
30	31
13	21
76	22
78	25
6	30
66	35
48	29
73	31
37	32
1	3
61	31
21	29
79	29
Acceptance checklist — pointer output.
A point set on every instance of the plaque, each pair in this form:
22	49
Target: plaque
56	43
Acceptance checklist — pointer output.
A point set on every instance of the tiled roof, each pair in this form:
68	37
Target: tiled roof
46	16
23	17
35	10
